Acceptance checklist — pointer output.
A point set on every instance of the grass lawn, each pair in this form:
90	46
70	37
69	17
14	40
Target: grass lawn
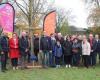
53	74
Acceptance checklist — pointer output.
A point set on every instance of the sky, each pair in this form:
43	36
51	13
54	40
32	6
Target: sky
78	10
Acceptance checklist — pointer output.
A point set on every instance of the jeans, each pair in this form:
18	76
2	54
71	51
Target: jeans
93	57
51	59
75	59
45	58
23	60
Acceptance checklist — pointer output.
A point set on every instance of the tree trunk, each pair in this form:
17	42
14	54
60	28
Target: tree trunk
30	24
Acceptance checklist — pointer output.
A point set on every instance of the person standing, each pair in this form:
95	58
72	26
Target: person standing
45	48
24	50
86	50
58	54
92	55
80	49
60	38
67	47
96	49
36	45
29	42
4	51
75	52
52	57
14	50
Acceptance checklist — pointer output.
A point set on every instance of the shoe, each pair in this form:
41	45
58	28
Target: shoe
14	68
66	66
3	71
69	66
57	66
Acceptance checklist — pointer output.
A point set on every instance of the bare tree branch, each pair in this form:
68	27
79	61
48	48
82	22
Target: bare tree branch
19	5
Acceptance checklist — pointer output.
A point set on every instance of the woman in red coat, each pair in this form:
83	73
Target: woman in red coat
14	50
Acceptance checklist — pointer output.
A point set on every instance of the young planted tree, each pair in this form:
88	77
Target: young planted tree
65	29
63	18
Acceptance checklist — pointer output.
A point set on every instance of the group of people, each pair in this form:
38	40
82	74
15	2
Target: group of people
50	51
69	50
15	48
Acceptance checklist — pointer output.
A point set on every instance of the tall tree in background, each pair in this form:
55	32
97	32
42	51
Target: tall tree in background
97	2
94	14
65	29
94	17
63	18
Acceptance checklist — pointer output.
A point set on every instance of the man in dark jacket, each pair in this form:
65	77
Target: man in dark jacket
92	55
96	49
51	56
24	49
4	51
45	48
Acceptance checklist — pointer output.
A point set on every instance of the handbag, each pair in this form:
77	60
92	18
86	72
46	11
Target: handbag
33	57
75	50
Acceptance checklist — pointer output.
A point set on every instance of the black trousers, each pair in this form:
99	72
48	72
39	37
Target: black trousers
28	59
86	60
67	59
36	52
57	60
4	58
14	62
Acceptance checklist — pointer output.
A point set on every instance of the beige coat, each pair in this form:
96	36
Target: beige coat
86	49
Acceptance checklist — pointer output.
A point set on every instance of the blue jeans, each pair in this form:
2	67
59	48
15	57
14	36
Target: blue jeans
93	57
45	59
51	59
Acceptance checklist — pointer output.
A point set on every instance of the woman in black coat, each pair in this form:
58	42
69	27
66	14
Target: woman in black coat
36	45
67	47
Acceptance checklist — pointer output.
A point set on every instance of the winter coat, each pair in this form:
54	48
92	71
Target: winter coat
91	43
14	48
24	44
96	46
67	47
58	51
86	48
53	43
45	43
36	43
4	44
75	48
